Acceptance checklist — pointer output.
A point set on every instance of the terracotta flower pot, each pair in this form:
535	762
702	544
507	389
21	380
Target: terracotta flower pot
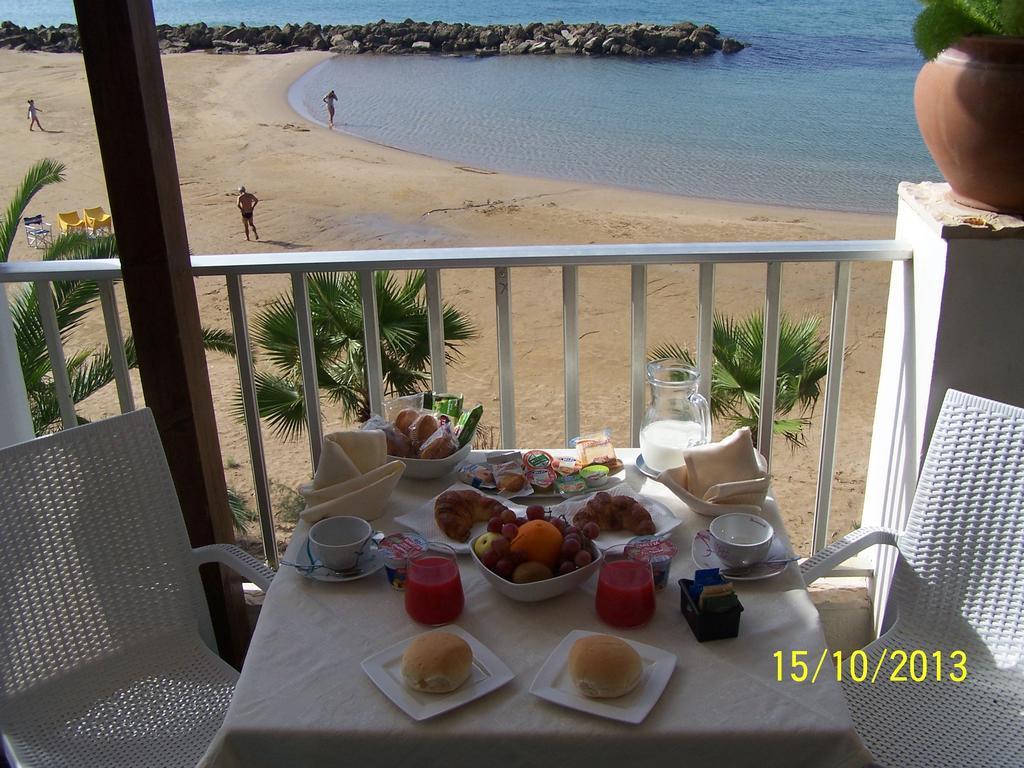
970	108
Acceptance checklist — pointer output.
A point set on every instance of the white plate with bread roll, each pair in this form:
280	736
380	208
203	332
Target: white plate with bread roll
436	671
605	675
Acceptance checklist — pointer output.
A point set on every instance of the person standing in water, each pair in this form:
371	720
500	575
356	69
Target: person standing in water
329	100
33	115
246	203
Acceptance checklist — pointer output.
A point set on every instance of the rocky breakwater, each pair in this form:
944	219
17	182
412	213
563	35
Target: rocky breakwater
409	37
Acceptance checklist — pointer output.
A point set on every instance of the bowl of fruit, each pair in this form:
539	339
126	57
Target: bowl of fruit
536	557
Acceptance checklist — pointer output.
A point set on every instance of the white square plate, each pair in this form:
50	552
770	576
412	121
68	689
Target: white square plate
384	668
554	684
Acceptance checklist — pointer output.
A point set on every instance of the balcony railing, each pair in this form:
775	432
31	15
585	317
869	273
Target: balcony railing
774	255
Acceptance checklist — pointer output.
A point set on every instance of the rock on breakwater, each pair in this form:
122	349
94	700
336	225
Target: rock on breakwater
409	37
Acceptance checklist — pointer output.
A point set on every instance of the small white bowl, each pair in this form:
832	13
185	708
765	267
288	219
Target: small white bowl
740	539
536	591
675	480
428	469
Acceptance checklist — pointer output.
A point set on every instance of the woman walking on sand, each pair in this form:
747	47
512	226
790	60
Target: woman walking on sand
33	115
329	100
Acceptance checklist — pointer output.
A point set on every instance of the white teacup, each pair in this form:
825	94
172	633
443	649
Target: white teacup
337	542
740	539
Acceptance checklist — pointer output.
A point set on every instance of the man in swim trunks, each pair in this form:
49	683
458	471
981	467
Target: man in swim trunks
246	203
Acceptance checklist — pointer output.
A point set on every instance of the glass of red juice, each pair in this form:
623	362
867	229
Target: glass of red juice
625	593
433	588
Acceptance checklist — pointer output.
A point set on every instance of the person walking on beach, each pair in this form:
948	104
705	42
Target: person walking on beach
246	203
33	116
329	100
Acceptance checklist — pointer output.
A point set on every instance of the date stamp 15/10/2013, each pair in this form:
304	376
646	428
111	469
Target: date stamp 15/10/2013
891	665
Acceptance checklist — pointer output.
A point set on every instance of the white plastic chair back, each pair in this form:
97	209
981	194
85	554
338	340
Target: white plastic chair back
959	585
99	590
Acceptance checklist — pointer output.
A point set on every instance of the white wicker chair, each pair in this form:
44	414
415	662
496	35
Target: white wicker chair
958	585
104	629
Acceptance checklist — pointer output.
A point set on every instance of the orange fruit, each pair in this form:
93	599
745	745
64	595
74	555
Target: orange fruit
538	540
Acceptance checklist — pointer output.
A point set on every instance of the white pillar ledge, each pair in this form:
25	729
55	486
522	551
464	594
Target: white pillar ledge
953	321
934	205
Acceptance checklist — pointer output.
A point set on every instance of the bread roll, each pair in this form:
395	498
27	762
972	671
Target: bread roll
437	662
405	418
422	428
604	667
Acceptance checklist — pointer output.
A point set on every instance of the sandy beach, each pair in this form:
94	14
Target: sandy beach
323	190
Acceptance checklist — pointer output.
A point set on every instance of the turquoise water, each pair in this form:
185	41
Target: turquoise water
817	112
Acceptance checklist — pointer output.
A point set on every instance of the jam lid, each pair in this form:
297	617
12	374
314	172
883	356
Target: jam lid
399	546
650	548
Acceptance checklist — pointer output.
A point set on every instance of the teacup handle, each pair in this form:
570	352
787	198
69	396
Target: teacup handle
367	540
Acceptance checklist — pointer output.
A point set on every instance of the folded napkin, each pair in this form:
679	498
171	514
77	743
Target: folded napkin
353	477
726	472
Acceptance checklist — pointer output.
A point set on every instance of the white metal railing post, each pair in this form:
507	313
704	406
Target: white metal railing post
637	349
705	329
506	375
250	406
571	351
769	359
830	418
55	350
371	342
15	416
115	343
435	324
307	358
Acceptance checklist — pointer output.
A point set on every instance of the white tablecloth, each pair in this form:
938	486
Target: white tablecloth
303	700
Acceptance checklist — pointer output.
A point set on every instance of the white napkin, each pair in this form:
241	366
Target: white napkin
352	477
726	472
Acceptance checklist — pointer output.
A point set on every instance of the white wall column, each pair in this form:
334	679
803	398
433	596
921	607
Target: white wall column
955	320
15	419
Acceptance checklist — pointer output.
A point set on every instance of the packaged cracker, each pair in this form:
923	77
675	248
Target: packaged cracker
440	445
465	425
477	475
511	480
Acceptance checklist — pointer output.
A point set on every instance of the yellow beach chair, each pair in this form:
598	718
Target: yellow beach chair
97	219
70	221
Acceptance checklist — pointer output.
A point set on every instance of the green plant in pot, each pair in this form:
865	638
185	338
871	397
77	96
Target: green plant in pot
969	98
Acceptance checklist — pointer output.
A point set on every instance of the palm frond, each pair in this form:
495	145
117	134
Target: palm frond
41	174
241	514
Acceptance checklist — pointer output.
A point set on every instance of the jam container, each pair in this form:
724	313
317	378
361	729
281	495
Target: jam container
542	480
594	475
397	549
656	551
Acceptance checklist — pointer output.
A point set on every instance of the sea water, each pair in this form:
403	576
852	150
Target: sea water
817	112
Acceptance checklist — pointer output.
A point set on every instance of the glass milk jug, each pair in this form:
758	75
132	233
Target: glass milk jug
677	418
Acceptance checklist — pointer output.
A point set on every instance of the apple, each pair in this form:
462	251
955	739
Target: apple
483	542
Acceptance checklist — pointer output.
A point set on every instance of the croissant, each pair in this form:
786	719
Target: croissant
456	511
615	513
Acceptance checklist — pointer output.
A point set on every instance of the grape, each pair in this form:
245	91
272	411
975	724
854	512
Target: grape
567	567
491	558
504	568
572	531
583	558
508	516
520	520
509	531
570	547
500	546
535	512
517	558
591	530
494	525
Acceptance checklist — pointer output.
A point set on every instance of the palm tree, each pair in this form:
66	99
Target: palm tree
337	320
89	369
736	373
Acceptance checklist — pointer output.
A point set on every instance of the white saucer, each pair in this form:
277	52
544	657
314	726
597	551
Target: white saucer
642	466
370	562
704	556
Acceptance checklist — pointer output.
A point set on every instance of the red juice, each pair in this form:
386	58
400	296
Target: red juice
625	593
433	589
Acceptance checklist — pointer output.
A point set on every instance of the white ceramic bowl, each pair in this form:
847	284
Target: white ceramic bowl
428	469
741	539
536	591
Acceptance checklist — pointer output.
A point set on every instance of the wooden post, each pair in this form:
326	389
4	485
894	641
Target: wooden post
122	62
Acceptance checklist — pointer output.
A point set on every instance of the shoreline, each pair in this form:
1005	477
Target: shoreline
780	209
233	125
